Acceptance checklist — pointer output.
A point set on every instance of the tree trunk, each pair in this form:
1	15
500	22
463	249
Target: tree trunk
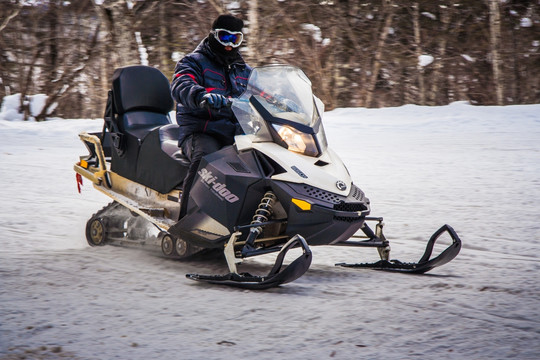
495	43
388	9
253	18
8	18
216	6
438	77
124	36
26	85
418	52
119	20
163	55
67	79
52	65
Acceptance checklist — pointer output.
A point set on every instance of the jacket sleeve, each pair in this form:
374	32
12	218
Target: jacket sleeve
185	86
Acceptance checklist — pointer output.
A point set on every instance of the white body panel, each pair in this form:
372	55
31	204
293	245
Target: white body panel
323	177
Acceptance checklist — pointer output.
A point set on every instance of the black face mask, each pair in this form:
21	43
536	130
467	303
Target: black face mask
218	49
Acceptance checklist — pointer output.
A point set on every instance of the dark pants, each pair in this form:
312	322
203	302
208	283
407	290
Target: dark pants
195	147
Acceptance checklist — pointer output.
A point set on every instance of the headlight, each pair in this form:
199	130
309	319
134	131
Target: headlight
297	141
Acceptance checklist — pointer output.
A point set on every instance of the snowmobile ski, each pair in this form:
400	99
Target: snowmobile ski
278	274
425	264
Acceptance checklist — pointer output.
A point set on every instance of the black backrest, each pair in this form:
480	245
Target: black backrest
139	101
141	88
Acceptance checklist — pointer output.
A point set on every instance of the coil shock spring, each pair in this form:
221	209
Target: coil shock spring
262	214
264	210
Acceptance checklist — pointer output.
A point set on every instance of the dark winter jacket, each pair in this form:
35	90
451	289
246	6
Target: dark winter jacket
204	71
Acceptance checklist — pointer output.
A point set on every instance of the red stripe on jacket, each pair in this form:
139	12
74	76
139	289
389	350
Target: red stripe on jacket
190	75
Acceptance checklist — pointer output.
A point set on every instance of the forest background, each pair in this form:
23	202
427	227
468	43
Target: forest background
376	53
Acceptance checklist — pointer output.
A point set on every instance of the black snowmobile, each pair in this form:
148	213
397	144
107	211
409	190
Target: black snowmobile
278	187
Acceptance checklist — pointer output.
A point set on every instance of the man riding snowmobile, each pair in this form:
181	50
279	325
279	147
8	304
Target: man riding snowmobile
277	186
202	82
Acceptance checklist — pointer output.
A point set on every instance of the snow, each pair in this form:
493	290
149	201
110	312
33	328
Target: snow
316	34
475	168
177	56
468	58
143	54
235	5
526	22
429	15
425	60
10	106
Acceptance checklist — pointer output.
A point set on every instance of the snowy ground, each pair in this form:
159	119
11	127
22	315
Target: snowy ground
475	168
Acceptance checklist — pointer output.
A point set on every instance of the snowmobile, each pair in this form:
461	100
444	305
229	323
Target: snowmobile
277	188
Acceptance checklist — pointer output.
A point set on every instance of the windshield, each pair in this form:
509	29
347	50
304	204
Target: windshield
280	94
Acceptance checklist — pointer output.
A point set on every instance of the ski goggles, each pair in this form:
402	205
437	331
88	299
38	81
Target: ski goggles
228	38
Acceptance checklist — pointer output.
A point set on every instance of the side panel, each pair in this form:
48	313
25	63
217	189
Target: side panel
227	188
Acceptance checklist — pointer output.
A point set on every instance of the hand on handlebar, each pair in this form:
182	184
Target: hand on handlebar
215	101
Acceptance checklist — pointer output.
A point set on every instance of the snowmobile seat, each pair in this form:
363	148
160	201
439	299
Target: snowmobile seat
138	106
161	164
168	136
139	123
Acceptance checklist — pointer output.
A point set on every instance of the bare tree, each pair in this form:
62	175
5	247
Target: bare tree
10	16
495	41
388	10
253	18
67	78
442	41
418	52
119	20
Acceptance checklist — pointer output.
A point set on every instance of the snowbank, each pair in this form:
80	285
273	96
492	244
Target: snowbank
11	104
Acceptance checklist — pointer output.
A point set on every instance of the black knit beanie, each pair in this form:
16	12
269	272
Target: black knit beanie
228	22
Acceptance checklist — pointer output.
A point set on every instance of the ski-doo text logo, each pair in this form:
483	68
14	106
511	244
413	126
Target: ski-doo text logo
219	189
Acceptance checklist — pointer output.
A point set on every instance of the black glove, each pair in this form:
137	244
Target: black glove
215	101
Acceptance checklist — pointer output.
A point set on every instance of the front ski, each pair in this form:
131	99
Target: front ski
277	276
425	264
